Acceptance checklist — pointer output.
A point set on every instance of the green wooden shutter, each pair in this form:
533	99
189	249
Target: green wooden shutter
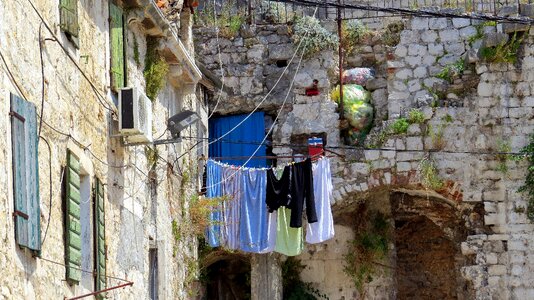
73	245
25	173
68	15
118	73
100	247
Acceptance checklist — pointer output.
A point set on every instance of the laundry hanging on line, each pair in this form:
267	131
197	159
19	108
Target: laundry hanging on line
249	214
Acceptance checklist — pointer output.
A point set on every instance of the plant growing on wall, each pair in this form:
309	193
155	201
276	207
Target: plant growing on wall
400	126
429	175
437	135
156	69
313	36
294	288
505	52
391	35
136	51
452	71
528	185
277	12
416	116
370	246
228	19
503	147
353	32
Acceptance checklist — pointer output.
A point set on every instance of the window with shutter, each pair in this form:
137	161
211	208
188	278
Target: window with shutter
24	139
118	66
73	254
100	247
68	16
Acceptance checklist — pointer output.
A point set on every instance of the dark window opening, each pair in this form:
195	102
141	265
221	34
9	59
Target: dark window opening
153	273
281	63
228	279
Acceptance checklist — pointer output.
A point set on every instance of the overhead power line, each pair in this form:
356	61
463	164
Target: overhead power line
413	12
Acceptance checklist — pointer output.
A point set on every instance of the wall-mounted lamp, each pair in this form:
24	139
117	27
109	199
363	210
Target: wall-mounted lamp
176	124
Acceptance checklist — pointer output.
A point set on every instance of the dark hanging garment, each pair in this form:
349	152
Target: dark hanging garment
278	190
302	190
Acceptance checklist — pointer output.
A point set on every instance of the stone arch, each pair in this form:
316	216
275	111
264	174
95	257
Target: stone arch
428	235
226	275
421	218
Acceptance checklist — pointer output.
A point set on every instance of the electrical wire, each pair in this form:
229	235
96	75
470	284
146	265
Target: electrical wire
50	187
220	59
12	77
274	122
411	12
348	147
265	97
80	269
100	97
40	41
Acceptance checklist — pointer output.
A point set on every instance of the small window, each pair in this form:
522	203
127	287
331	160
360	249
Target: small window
24	139
281	63
153	273
68	16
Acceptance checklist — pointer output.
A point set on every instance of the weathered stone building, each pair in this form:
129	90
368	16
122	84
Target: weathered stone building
457	226
83	208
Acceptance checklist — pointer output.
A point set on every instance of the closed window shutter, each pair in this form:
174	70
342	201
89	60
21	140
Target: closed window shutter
118	73
68	15
25	173
100	247
73	255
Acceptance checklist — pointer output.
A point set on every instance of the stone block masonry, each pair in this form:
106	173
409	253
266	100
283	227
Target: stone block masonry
467	113
140	195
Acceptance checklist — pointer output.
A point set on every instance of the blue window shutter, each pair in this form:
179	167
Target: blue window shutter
26	173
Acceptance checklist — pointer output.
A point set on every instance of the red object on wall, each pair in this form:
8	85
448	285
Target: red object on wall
312	92
315	146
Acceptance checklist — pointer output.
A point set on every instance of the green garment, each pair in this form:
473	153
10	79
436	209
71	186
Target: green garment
288	240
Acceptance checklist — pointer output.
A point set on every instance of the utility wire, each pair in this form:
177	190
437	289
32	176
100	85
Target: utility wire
348	147
411	12
81	270
274	122
50	187
40	41
100	98
220	60
265	97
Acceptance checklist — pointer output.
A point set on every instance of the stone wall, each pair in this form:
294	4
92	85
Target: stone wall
140	201
466	118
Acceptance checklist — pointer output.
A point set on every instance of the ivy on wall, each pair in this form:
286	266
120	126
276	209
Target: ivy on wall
156	69
528	186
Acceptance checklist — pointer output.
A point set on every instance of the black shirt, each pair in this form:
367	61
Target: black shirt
277	193
302	190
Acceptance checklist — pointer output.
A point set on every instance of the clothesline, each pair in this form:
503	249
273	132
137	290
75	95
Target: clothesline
264	213
239	167
270	157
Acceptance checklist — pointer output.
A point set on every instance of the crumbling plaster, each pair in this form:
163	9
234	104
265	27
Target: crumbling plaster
136	219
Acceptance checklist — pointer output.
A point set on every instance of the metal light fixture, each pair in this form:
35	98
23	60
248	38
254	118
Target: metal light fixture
177	123
180	121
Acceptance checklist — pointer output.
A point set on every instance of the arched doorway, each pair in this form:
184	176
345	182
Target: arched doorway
428	234
226	276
